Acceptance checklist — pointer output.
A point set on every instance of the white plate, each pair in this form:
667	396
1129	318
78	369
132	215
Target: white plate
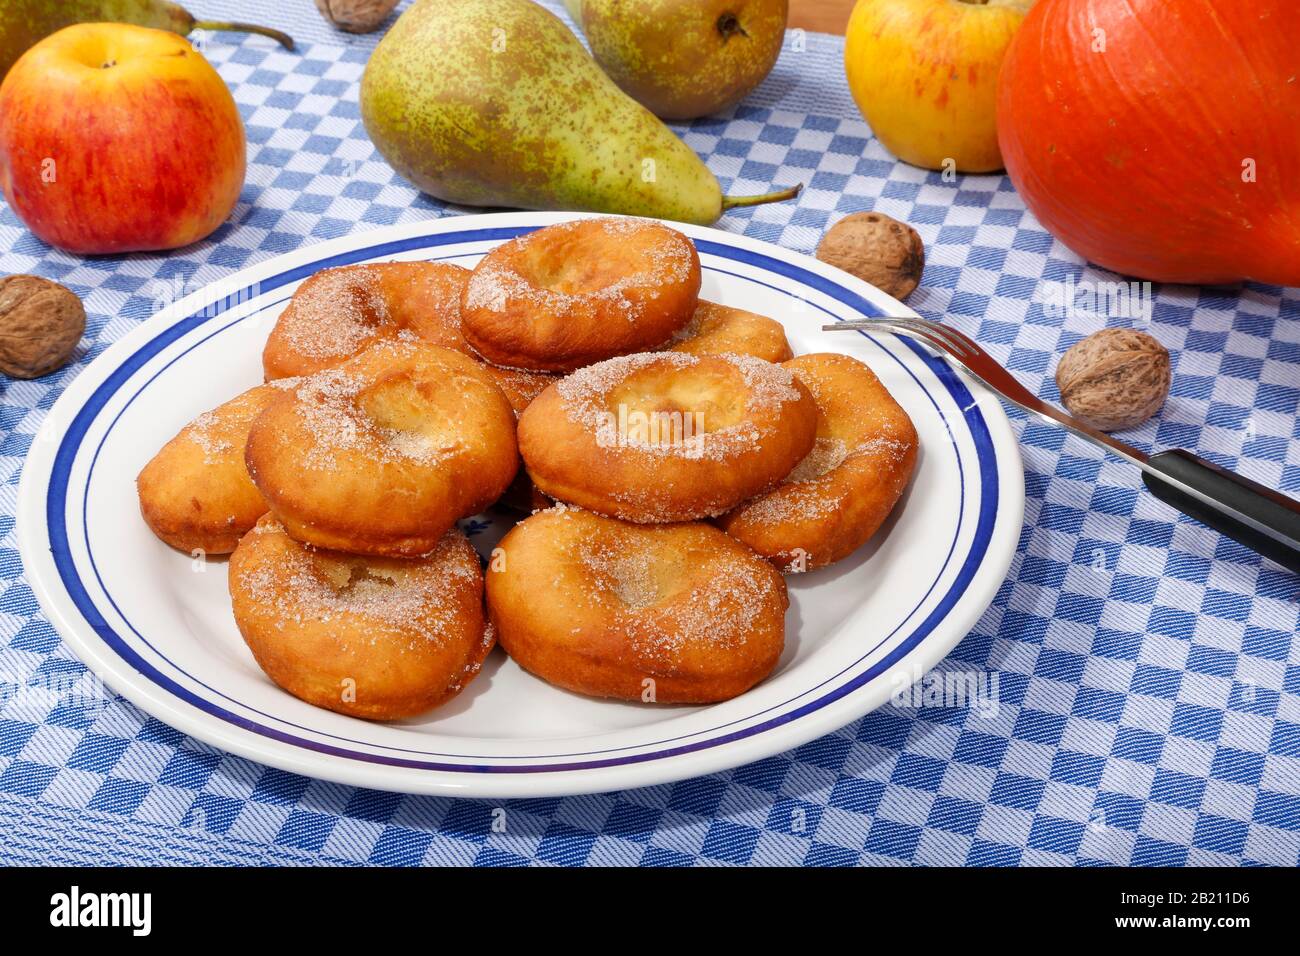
157	626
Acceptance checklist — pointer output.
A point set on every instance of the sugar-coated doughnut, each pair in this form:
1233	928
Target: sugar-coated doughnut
339	312
518	386
572	294
381	454
195	494
676	613
379	638
719	329
667	436
837	497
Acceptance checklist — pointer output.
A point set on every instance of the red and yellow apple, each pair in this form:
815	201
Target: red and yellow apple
924	73
115	138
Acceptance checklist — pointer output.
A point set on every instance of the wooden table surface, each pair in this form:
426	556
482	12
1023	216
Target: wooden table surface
824	16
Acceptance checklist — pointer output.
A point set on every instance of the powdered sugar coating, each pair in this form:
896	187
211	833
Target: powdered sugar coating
722	614
305	585
210	431
327	406
836	498
342	313
670	597
770	384
203	432
628	574
667	587
497	283
810	492
585	389
568	295
585	399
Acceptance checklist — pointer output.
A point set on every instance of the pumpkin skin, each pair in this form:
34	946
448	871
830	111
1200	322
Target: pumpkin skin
1136	157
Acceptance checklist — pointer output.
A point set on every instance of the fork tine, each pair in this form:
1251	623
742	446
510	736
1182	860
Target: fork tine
970	345
941	336
921	330
954	342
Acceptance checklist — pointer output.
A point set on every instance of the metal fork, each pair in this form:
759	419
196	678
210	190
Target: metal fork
1262	519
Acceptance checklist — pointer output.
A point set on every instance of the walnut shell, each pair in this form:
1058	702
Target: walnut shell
356	16
883	251
1114	379
40	325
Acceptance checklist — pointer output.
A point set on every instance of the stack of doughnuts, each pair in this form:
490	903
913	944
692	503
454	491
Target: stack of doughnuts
676	461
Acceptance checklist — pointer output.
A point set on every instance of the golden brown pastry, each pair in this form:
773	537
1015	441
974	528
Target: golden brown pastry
339	312
676	613
719	329
837	497
568	295
665	436
383	453
196	494
379	638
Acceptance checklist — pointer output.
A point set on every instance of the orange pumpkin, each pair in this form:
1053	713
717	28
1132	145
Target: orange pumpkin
1160	138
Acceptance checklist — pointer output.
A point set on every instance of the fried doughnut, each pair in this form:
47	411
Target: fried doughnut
195	494
719	329
379	638
571	294
837	497
666	436
662	613
341	311
518	386
381	454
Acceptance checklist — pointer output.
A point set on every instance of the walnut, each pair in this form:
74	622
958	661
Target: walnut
885	252
1114	379
40	324
356	16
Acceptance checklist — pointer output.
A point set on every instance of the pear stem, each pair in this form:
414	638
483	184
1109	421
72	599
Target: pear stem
731	202
278	36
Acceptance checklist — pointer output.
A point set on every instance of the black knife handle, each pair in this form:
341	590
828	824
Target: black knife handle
1262	519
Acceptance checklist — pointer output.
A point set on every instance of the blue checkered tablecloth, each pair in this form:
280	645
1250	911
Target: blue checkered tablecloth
1148	670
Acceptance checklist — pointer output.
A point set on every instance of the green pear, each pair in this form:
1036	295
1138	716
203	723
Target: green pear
684	58
23	23
497	103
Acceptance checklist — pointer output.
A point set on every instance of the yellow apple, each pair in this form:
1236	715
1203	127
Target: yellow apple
924	73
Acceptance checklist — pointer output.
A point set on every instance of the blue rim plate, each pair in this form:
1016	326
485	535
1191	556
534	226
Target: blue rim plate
155	625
